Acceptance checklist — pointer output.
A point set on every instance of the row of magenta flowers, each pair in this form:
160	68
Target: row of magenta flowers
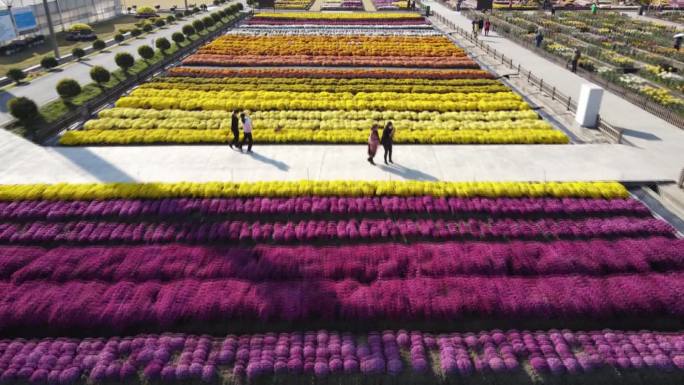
60	210
364	263
174	357
321	230
118	306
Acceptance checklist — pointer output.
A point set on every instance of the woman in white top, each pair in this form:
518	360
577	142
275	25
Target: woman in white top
247	130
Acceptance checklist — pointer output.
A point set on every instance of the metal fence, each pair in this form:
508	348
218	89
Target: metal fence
614	133
668	115
85	111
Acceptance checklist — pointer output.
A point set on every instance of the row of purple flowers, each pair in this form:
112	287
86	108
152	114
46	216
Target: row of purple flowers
60	210
174	357
312	230
364	263
117	306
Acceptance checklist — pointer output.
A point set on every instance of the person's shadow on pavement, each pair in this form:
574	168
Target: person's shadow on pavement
407	173
275	163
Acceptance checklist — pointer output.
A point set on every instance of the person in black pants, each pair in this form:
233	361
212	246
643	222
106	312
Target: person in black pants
387	140
235	129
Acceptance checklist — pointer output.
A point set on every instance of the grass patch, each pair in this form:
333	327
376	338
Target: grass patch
56	109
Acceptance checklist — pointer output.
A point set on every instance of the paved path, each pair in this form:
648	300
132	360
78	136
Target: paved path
663	142
25	162
42	89
655	20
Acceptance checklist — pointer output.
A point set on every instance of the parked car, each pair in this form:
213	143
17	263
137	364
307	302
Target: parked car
21	44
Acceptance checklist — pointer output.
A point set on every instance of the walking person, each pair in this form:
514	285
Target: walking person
387	140
594	8
235	129
373	142
487	25
538	38
678	41
480	25
575	59
474	23
247	131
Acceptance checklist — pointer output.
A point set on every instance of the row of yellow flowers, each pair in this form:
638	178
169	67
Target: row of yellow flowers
434	136
141	113
100	191
247	82
296	124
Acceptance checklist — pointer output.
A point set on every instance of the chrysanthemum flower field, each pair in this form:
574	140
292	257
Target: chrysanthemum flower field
311	77
337	282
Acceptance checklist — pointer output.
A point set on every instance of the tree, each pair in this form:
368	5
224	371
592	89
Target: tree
124	60
162	44
146	52
49	62
68	89
135	32
99	45
208	21
22	108
78	53
119	38
16	74
188	30
198	25
100	75
178	38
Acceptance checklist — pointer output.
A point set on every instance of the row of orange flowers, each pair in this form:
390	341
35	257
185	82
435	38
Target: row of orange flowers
335	73
318	61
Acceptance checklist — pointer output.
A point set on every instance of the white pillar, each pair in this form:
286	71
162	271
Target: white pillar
588	105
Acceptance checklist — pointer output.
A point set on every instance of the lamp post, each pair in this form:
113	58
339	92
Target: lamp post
53	39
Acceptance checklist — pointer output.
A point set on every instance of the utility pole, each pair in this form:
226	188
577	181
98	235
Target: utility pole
53	39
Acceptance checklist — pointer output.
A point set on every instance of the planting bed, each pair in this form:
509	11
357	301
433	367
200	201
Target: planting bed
407	282
634	54
374	67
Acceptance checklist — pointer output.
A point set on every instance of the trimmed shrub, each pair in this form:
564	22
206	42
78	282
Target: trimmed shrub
188	30
179	15
208	21
78	53
99	45
146	52
215	16
16	74
124	60
162	44
22	108
160	23
68	88
100	75
199	25
170	19
147	27
146	11
135	32
119	38
80	27
178	38
49	62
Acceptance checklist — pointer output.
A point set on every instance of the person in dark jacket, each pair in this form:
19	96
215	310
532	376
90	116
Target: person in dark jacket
575	59
387	140
538	38
235	129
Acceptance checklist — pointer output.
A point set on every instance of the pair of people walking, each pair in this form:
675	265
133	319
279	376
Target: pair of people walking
387	140
235	119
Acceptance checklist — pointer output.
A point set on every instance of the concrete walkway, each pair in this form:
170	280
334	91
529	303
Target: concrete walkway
655	20
42	90
662	142
24	162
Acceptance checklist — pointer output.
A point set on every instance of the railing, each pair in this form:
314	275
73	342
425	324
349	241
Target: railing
680	182
84	111
647	104
614	133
